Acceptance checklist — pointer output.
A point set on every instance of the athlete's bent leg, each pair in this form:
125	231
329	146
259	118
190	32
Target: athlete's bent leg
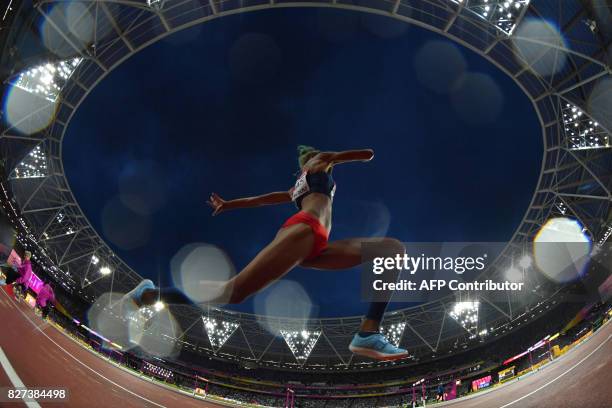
346	254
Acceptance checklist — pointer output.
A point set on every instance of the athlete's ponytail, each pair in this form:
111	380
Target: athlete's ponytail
305	153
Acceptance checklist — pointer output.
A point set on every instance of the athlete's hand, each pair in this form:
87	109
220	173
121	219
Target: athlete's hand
217	203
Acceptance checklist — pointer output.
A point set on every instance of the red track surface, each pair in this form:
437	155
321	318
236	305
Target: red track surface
44	357
582	378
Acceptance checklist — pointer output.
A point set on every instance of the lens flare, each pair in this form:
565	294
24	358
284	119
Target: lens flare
27	112
124	227
541	46
141	187
79	21
201	270
477	98
119	320
105	317
286	299
562	250
156	332
73	18
439	65
513	274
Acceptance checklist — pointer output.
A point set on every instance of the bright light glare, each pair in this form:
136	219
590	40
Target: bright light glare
301	343
466	314
47	79
582	131
218	330
394	332
513	274
525	262
33	165
562	249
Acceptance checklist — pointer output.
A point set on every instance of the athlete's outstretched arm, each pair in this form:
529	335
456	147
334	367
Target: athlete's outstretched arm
363	155
219	205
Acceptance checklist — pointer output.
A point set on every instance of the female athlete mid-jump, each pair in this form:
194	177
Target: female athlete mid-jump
302	240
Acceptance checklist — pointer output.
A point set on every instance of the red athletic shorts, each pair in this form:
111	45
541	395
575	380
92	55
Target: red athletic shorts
319	231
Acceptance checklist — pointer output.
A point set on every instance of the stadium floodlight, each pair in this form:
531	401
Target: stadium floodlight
156	370
394	332
219	331
153	3
466	314
561	207
581	131
47	79
301	343
34	165
504	15
95	260
606	234
105	270
158	306
525	261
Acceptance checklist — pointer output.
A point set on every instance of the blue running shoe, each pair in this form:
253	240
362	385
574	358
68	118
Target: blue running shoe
131	301
136	294
376	346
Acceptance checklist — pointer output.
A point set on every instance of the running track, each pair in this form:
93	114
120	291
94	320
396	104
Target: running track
582	378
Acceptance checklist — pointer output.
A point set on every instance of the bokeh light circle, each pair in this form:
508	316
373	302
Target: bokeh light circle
141	186
124	227
477	98
104	317
562	250
201	270
285	299
439	65
26	112
67	29
541	46
155	332
120	321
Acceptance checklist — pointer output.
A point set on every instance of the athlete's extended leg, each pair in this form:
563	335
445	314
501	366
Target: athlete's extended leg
288	249
346	254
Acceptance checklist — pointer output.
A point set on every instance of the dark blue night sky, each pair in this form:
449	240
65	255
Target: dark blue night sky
222	106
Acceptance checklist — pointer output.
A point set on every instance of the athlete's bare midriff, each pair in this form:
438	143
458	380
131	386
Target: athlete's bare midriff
320	206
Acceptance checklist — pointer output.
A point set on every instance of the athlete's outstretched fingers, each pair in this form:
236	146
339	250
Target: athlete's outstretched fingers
291	245
347	253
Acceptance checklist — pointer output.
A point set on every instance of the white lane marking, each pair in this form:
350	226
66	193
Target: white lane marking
560	375
8	304
14	378
87	367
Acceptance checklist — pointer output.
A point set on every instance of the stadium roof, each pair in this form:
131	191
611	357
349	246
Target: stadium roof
557	52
